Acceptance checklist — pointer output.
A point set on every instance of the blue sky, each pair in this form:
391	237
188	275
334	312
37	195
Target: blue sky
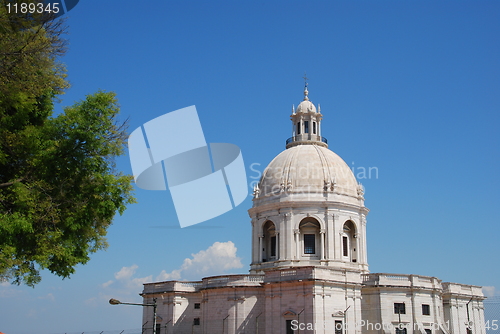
408	87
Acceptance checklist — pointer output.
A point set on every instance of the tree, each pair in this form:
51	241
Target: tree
59	189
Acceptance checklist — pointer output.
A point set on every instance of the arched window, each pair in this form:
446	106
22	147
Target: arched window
270	245
309	238
298	128
349	242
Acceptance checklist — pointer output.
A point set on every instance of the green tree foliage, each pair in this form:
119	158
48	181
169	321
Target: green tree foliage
59	189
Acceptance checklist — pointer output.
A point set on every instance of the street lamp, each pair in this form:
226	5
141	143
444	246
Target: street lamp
113	301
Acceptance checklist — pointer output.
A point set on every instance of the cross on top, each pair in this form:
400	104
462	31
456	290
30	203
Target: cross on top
305	79
305	87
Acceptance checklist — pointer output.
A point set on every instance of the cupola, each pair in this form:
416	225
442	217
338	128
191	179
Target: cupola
306	124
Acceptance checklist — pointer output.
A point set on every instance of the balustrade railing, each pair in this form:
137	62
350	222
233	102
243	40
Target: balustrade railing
306	138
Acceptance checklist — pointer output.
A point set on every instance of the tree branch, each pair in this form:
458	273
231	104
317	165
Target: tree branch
8	184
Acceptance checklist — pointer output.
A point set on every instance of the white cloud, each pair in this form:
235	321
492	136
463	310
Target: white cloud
216	259
126	272
103	298
138	282
124	286
125	278
164	276
48	296
108	283
8	292
489	291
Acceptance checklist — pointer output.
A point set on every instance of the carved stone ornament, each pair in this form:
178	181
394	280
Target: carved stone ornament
329	185
361	190
289	313
256	191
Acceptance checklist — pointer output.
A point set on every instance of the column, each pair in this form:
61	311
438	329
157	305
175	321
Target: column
278	244
336	238
302	127
322	243
281	238
260	247
297	243
329	237
287	237
358	252
364	257
255	241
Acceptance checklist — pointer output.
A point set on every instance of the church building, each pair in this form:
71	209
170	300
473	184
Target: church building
309	270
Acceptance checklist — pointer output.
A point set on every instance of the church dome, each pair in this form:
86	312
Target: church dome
308	208
306	106
308	169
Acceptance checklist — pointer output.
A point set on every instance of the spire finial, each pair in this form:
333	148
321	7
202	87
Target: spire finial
306	92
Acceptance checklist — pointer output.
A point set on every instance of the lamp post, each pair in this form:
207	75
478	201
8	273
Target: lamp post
469	323
344	329
113	301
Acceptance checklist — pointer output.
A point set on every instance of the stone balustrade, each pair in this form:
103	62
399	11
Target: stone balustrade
232	280
209	282
402	280
160	287
462	289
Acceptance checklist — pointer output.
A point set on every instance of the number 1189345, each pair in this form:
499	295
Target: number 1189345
24	8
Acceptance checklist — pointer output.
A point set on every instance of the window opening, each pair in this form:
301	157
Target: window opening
338	327
399	308
289	329
273	246
345	246
309	244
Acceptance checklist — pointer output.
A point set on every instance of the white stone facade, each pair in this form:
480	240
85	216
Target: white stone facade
309	270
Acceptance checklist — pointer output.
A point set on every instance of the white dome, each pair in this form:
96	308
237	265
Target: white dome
308	169
306	106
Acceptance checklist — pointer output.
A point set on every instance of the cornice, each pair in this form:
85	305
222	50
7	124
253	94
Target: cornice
300	204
